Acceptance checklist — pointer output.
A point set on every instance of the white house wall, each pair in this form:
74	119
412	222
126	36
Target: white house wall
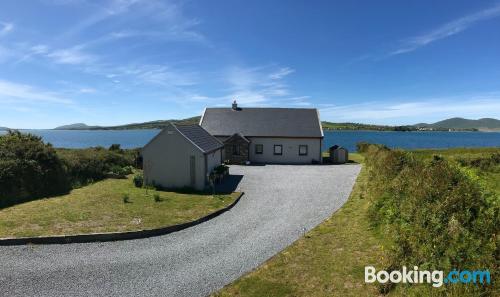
166	161
213	160
290	150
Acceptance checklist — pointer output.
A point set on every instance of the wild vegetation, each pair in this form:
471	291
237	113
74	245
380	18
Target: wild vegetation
437	209
438	213
31	169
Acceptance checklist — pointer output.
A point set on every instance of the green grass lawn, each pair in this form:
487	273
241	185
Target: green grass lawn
330	259
99	207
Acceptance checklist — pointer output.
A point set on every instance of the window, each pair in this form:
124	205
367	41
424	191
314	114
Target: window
236	150
259	148
278	149
302	150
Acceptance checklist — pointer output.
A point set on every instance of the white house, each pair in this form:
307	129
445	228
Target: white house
266	135
181	156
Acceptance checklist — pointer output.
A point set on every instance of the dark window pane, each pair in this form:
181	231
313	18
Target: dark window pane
303	150
259	148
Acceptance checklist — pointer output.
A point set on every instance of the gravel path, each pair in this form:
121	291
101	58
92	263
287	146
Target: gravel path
281	202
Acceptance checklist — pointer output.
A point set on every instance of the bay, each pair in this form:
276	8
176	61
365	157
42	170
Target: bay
347	139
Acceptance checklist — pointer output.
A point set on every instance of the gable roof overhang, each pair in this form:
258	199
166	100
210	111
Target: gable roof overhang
236	136
196	135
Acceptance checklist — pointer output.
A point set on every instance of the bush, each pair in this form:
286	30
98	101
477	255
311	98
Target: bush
93	164
120	172
157	198
126	198
483	163
29	169
115	148
436	212
138	180
221	169
128	170
362	146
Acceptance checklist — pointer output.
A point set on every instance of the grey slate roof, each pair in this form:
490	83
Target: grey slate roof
201	138
265	122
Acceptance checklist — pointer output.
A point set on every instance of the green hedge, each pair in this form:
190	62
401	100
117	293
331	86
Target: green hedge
31	169
87	165
436	212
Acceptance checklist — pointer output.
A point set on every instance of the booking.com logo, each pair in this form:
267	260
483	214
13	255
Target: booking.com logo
436	277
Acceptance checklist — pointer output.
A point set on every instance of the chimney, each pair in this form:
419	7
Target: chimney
235	105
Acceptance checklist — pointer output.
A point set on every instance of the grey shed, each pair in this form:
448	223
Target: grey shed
338	154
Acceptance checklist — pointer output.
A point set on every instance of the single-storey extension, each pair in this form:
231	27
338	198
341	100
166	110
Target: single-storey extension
266	135
181	156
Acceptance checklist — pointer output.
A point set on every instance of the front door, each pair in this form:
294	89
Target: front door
192	170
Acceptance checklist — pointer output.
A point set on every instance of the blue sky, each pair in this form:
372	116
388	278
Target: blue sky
108	62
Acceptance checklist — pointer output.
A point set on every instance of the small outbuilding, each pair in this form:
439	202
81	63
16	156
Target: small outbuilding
338	154
181	156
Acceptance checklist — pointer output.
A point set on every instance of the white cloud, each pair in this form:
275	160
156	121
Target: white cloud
432	109
39	49
5	28
70	56
257	84
87	90
446	30
166	21
281	73
21	93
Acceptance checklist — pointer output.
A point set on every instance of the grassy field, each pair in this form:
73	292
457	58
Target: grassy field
330	259
100	207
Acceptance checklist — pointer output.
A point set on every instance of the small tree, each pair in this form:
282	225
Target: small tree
29	169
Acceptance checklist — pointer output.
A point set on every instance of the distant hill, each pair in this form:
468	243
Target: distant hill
77	126
485	124
461	123
4	128
155	124
147	125
355	126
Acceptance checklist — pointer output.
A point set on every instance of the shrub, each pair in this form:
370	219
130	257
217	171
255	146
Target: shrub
128	170
157	198
221	169
437	213
126	198
29	169
362	146
84	165
115	148
138	180
483	163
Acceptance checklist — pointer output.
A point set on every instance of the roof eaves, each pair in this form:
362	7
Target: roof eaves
202	116
319	122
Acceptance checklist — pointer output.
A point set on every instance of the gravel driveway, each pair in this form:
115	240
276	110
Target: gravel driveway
281	202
